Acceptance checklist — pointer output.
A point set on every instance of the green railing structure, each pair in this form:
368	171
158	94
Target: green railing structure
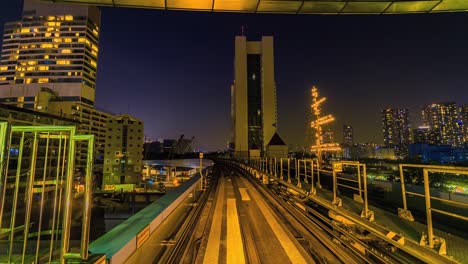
37	176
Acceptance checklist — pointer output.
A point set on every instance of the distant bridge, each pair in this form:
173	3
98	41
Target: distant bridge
333	7
186	163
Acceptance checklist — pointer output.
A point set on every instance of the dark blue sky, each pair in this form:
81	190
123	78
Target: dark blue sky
173	69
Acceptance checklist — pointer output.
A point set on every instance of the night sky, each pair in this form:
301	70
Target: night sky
173	69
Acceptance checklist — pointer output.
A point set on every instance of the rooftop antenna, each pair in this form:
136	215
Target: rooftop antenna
242	30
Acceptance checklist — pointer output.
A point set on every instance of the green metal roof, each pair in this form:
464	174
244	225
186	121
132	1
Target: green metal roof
292	6
112	241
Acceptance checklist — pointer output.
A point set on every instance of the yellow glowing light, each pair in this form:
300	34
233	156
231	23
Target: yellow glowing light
66	51
25	30
3	68
67	40
43	68
47	46
43	80
46	57
32	62
63	62
68	18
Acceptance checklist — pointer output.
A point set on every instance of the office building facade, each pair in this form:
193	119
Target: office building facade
123	153
253	95
54	46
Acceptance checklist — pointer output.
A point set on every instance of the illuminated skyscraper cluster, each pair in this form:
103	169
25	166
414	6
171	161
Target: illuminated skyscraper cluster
444	124
396	130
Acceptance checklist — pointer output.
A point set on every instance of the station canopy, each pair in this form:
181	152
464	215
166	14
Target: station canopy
332	7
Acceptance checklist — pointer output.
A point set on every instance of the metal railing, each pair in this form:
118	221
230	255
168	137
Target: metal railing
36	188
350	183
406	214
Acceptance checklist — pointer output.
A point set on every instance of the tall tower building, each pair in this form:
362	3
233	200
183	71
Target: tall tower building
253	95
464	122
442	118
348	136
53	47
396	130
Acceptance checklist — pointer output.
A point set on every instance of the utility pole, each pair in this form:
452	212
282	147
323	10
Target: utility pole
201	170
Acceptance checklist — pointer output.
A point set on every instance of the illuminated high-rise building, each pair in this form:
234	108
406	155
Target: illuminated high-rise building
253	95
348	136
328	136
48	64
464	122
422	135
53	46
442	118
396	130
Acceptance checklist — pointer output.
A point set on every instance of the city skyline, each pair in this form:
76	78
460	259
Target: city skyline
394	58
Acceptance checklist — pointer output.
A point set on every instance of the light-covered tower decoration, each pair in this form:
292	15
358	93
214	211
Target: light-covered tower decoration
316	124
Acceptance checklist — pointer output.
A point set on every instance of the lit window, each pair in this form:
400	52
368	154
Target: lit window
3	68
43	80
25	30
66	51
47	46
57	40
63	62
68	18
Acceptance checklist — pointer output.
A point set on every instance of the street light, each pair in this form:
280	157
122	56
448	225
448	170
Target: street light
201	170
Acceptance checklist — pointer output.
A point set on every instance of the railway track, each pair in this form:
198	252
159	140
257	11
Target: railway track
183	245
315	240
336	239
